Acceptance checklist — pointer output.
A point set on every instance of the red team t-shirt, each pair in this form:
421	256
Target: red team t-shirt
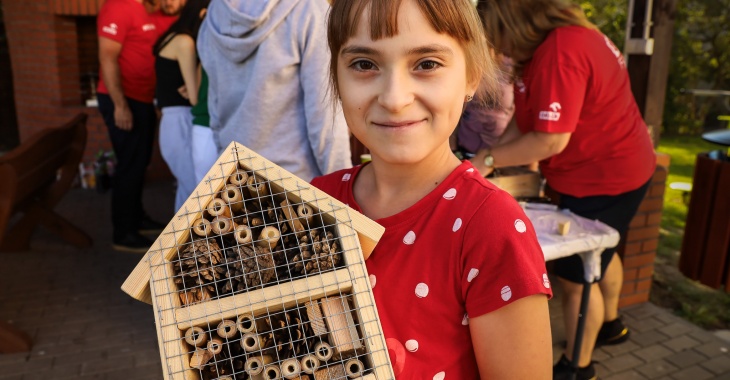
577	83
127	22
464	250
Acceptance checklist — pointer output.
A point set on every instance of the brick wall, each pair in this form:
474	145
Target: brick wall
639	250
51	53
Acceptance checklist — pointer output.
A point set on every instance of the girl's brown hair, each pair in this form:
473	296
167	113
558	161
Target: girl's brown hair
524	24
456	18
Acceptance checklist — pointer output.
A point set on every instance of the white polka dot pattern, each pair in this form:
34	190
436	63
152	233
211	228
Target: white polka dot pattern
421	290
465	320
506	293
520	226
410	238
346	177
457	225
440	376
470	170
545	281
450	194
412	345
472	274
373	280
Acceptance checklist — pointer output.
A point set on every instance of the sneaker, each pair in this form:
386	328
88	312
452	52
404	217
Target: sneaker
613	332
132	242
149	226
562	370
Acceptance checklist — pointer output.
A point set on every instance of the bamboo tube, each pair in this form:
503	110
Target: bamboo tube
251	342
215	346
354	368
245	323
218	207
238	178
243	234
309	363
269	237
195	336
255	365
201	227
200	358
290	368
231	194
305	212
342	332
226	329
272	372
257	187
323	351
291	217
221	225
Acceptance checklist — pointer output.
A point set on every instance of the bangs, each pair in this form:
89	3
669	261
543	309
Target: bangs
443	16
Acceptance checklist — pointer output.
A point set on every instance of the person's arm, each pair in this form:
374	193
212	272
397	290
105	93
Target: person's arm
188	60
524	150
109	51
514	342
326	128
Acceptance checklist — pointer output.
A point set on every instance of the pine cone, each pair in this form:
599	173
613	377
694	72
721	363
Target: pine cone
322	255
249	266
199	265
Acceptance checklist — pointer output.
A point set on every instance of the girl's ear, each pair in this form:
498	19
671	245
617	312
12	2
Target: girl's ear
203	12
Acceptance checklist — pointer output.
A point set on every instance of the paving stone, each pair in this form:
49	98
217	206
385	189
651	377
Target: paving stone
652	353
718	365
600	355
646	324
693	373
659	369
681	343
723	334
622	363
626	375
678	328
713	349
107	365
686	359
648	338
620	349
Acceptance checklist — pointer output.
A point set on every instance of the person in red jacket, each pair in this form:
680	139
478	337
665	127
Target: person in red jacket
125	94
576	115
458	277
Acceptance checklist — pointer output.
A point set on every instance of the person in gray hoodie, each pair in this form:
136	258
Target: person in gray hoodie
268	65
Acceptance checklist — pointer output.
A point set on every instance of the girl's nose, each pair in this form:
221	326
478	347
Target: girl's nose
396	93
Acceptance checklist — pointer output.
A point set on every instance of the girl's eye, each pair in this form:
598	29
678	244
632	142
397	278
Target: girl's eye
428	65
362	65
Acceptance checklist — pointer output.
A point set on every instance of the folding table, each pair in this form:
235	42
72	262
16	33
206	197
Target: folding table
588	238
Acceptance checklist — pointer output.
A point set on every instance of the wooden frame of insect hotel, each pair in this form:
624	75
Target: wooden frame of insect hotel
261	276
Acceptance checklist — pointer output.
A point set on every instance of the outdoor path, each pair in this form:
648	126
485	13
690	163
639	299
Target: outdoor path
84	327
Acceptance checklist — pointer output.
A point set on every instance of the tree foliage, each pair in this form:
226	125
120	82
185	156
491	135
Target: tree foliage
700	57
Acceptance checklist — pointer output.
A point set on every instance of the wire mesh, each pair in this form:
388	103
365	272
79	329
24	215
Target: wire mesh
263	284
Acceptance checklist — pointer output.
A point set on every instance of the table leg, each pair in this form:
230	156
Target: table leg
578	342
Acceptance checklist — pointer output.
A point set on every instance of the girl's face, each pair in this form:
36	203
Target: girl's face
402	96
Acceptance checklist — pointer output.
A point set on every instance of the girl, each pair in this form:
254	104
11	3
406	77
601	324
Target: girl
577	116
176	66
458	276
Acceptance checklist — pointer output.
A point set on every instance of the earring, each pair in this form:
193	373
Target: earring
469	98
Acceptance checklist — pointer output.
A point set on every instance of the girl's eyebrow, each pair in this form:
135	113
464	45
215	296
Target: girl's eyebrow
420	50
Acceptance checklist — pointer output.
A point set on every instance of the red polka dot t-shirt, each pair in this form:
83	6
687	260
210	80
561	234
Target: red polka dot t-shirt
464	250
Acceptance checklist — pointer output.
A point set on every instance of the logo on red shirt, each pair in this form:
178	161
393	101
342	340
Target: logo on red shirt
148	27
110	29
553	114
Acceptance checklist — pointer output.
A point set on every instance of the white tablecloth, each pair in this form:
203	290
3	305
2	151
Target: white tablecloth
585	237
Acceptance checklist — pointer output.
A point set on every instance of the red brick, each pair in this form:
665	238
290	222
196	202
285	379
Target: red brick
662	159
653	204
630	274
639	261
660	175
628	287
637	234
639	220
654	219
643	285
650	245
633	299
632	249
656	189
646	271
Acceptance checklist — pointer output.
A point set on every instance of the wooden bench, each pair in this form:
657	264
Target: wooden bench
35	176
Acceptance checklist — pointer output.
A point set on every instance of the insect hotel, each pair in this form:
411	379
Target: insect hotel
261	276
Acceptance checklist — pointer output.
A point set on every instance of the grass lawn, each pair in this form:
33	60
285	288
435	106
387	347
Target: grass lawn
704	306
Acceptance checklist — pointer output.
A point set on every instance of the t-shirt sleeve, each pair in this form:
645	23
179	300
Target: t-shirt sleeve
501	258
113	22
557	92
